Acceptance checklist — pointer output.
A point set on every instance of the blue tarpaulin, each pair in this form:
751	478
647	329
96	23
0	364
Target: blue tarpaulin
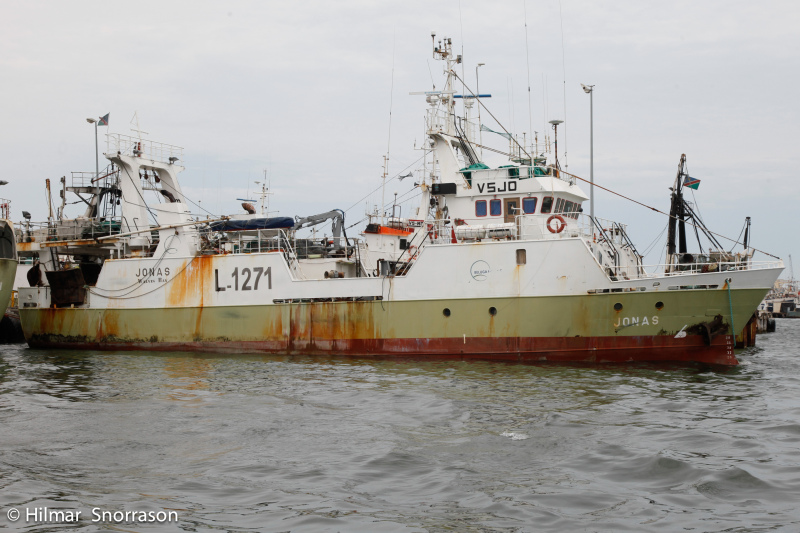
253	224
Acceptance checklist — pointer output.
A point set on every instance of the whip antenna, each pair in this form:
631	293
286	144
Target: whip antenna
564	71
389	141
528	61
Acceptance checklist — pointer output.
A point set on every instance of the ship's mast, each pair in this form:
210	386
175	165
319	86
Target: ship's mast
265	194
444	51
383	188
676	217
680	213
441	124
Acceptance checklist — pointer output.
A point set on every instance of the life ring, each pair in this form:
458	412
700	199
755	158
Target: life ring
560	227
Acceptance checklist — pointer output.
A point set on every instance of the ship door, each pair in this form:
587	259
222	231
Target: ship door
512	209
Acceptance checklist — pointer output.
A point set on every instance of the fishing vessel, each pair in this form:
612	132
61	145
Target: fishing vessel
783	301
782	305
8	256
495	263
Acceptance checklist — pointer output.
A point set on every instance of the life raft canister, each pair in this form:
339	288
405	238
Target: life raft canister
559	227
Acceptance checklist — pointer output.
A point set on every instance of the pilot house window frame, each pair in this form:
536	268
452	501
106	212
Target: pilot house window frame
480	208
496	207
529	205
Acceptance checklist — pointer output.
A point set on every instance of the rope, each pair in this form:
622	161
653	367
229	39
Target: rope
390	179
140	195
735	242
730	305
740	234
652	244
376	190
401	203
163	183
495	118
138	284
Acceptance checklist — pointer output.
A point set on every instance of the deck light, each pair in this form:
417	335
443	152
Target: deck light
96	150
589	89
555	124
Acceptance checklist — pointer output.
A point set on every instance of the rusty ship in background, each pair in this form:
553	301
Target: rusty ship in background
8	263
495	263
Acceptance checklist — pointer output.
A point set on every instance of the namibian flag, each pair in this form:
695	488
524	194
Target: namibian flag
692	183
103	120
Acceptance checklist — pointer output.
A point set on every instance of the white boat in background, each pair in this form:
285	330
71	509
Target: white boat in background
495	263
783	301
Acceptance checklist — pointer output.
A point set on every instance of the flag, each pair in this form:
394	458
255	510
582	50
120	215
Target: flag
506	135
103	120
692	183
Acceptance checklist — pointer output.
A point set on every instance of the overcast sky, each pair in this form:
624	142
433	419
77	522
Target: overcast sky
304	90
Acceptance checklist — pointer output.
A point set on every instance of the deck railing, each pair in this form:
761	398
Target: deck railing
145	148
272	240
68	230
106	178
531	227
613	235
667	270
5	208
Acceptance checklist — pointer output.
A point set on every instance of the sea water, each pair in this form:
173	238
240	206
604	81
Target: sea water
126	441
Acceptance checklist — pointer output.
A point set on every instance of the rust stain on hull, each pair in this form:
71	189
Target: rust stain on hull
187	288
552	349
557	329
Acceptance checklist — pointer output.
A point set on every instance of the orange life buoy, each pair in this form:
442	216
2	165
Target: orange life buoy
560	227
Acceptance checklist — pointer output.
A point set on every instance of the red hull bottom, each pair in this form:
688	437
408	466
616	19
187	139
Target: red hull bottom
658	349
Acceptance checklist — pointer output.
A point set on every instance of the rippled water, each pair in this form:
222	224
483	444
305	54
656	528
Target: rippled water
309	444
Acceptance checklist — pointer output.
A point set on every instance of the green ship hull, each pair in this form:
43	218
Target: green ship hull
686	325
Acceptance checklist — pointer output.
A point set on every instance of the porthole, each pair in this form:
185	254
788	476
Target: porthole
659	305
617	306
492	311
446	312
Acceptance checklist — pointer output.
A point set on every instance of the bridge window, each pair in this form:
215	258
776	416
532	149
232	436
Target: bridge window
547	204
559	205
480	208
496	207
572	209
529	206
